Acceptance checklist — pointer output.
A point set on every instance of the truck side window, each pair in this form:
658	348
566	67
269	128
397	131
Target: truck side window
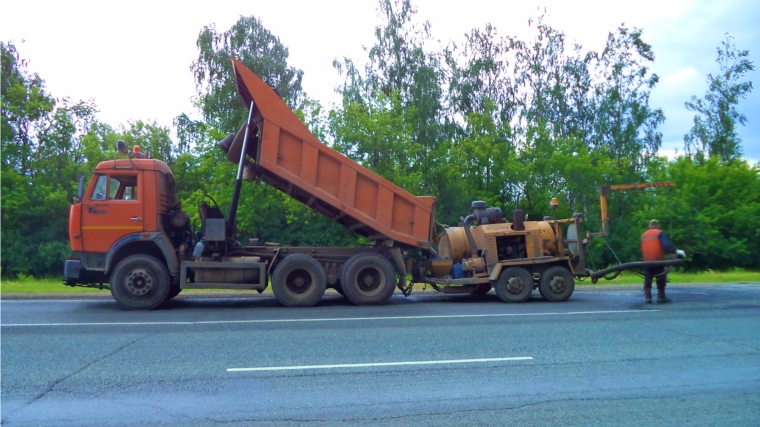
123	187
100	189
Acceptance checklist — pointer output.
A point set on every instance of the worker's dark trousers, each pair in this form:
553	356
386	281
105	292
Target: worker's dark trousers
661	280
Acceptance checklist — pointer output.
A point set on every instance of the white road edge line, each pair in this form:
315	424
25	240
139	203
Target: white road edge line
329	319
369	365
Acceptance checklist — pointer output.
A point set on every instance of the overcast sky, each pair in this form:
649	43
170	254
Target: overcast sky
133	57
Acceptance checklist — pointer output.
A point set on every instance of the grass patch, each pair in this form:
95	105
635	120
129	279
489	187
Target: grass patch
32	285
731	276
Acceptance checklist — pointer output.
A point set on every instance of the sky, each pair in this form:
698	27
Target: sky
133	58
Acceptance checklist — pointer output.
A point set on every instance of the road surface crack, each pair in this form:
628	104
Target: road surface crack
60	380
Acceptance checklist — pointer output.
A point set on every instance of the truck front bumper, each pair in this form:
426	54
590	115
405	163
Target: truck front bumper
71	269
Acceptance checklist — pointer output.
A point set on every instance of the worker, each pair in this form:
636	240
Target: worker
654	245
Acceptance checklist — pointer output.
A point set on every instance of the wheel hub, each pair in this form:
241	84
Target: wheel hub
139	282
370	280
515	285
299	282
558	284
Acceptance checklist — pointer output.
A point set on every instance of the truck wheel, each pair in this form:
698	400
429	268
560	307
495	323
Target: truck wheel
515	284
556	284
299	281
140	282
368	278
482	289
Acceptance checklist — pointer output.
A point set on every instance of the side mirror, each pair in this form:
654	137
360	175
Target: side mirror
80	190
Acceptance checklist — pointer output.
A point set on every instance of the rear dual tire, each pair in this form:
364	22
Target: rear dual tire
368	279
299	281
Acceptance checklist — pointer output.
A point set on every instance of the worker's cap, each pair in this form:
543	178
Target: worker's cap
654	222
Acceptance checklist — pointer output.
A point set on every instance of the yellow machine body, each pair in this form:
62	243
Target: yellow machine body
499	242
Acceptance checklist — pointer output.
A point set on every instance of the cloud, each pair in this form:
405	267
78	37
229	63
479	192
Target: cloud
670	154
684	75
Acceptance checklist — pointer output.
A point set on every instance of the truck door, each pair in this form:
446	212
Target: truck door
113	210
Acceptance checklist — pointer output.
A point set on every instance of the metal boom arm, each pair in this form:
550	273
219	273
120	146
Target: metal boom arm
604	191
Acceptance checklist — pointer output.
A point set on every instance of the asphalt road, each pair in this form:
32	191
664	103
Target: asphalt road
602	358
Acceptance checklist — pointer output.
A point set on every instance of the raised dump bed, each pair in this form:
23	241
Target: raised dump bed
290	158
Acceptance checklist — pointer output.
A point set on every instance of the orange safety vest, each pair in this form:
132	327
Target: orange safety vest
651	247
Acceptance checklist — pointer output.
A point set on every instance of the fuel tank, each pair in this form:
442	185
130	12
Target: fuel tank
228	275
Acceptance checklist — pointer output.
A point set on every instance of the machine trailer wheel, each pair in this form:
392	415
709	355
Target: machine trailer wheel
556	284
140	282
368	278
515	284
299	281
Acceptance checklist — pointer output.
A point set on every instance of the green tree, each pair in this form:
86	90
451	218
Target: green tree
201	168
714	131
46	146
152	139
403	82
259	50
714	208
624	121
554	86
25	103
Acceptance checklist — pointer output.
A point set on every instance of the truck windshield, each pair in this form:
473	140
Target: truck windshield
100	188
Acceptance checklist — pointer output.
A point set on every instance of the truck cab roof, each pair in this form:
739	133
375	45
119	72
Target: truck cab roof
140	164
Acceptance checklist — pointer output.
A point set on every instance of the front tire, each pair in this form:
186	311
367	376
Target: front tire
368	278
299	281
140	282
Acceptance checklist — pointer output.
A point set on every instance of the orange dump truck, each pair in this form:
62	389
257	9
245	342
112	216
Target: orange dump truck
128	229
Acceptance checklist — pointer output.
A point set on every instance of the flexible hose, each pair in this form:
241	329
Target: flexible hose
632	265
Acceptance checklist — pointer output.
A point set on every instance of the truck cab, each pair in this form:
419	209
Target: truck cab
128	209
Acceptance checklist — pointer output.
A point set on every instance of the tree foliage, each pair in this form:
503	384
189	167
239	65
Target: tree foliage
714	131
47	144
262	212
495	117
259	50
